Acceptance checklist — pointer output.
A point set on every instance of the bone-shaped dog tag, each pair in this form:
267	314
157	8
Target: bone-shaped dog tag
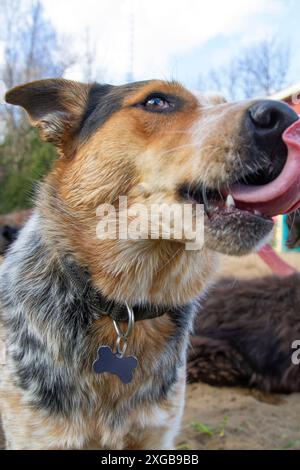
115	363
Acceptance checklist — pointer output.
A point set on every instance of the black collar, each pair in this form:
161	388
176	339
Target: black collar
80	277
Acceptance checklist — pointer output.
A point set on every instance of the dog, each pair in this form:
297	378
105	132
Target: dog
8	234
10	225
246	334
61	285
245	330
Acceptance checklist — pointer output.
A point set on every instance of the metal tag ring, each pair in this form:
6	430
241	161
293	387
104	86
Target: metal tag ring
121	349
130	326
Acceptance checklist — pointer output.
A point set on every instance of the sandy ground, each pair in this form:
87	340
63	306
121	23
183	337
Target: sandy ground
252	266
229	418
234	418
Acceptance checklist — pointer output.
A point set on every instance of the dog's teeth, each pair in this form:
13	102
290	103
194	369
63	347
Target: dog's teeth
256	212
229	201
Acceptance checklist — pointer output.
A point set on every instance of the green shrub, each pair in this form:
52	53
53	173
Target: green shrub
23	163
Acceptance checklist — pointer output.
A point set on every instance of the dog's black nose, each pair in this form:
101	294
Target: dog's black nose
266	121
270	119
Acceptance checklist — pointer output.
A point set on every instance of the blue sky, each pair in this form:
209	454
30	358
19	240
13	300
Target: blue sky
172	38
283	23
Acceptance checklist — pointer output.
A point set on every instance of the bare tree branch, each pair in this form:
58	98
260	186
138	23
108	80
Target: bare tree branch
31	49
259	70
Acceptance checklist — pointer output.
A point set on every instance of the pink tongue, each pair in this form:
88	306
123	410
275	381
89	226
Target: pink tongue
281	195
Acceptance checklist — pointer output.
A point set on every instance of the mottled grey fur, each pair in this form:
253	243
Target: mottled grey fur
47	317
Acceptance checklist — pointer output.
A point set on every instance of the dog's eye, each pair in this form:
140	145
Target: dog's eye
156	103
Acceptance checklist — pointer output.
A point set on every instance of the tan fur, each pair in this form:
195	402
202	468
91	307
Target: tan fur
110	160
145	157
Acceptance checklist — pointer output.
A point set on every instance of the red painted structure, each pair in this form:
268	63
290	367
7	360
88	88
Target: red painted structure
291	96
296	106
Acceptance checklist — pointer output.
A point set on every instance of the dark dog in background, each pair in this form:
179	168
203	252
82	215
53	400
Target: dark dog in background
246	328
244	334
8	235
10	225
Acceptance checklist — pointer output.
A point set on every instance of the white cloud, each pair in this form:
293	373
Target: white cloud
162	29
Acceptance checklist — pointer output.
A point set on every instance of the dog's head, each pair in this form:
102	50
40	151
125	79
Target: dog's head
157	142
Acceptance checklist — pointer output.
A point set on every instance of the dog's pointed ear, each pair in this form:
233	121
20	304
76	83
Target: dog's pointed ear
56	107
